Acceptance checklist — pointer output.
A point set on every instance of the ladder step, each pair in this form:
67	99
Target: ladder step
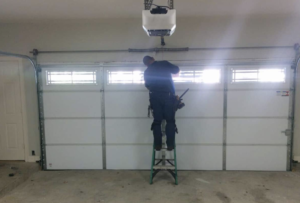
165	159
164	167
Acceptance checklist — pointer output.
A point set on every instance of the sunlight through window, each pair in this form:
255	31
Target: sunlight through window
258	75
185	76
71	77
125	77
198	76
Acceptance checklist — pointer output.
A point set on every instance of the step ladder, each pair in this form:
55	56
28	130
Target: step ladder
163	163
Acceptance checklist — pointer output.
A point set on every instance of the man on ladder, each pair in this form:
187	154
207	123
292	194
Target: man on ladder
159	82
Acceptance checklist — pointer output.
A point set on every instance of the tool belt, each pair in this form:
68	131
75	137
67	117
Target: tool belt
178	104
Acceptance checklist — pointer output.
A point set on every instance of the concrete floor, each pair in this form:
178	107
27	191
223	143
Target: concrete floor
21	172
133	187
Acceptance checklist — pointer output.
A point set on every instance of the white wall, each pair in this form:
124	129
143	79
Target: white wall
127	33
124	34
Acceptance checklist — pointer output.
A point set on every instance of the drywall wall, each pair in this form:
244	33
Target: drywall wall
124	34
127	33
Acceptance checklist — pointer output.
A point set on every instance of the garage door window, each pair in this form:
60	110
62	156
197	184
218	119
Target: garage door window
198	76
258	75
125	77
71	77
186	76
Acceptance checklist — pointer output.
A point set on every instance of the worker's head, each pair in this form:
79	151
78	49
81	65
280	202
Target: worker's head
148	60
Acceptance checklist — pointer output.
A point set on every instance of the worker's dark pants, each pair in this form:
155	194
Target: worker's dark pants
163	108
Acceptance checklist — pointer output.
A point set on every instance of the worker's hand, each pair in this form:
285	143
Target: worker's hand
177	97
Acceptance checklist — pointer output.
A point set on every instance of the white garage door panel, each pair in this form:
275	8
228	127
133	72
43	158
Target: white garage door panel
199	131
72	104
257	103
126	104
258	85
256	131
257	158
128	131
125	87
202	104
197	86
199	157
74	157
73	131
129	156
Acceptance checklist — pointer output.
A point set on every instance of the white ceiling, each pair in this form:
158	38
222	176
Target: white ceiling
43	10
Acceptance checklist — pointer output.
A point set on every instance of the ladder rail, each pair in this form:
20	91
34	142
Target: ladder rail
153	161
175	163
156	167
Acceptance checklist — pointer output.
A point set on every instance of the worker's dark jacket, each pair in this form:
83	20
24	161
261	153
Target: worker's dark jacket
158	77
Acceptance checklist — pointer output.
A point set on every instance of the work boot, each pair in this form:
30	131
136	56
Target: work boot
157	148
170	148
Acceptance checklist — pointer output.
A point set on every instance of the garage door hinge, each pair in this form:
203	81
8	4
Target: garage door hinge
287	132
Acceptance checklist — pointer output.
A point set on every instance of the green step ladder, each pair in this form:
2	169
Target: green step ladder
163	163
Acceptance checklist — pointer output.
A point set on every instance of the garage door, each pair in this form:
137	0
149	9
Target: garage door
200	124
96	117
258	106
72	117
